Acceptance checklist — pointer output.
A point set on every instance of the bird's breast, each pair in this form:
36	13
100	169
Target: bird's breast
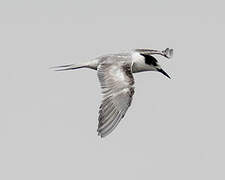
140	67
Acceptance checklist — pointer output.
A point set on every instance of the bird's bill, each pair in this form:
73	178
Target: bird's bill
163	72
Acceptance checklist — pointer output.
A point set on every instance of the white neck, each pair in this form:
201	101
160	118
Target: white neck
139	65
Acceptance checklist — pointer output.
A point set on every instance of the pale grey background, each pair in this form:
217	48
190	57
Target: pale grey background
174	129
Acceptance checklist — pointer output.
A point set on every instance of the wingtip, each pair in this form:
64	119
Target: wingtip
168	53
100	135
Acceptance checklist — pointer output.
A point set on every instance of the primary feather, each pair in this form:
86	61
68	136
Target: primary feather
117	82
115	73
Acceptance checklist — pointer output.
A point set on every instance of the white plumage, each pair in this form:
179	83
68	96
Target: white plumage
115	73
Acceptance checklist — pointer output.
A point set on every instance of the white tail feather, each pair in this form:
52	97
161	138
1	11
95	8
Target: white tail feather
69	67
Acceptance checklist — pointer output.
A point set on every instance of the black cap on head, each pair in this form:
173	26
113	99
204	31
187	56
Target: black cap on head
150	60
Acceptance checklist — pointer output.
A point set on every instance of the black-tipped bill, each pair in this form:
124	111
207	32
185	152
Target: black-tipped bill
163	72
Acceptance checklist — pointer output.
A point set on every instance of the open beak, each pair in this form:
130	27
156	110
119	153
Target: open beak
163	72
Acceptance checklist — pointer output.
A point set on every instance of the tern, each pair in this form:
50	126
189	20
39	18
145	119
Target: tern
115	73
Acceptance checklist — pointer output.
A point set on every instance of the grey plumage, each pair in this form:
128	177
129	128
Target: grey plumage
117	82
115	74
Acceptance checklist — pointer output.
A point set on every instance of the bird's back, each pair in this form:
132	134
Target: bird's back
112	58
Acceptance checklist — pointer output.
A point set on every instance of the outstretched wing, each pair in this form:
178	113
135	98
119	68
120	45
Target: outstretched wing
116	81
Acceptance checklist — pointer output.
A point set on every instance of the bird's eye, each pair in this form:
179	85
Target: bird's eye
150	60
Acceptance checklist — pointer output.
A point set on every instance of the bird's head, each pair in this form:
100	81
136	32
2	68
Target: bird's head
151	61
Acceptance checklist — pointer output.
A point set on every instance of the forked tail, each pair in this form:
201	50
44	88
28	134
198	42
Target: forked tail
69	67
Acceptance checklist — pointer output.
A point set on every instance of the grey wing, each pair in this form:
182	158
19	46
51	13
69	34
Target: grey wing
116	81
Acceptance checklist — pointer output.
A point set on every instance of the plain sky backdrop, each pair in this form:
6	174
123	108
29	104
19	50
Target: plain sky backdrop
174	129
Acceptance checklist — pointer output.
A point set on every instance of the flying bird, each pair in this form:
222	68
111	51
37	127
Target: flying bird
115	73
